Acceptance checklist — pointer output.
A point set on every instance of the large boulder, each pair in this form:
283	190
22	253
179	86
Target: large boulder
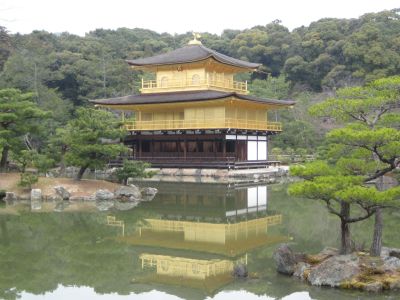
128	193
386	251
300	270
285	259
104	195
391	263
36	199
335	270
62	192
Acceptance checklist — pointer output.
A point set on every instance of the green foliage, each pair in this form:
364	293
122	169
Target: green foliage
19	116
43	163
271	88
312	170
358	153
133	169
92	138
27	179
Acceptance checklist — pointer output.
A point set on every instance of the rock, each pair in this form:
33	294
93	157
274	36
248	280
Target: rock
36	199
125	205
10	197
300	268
333	271
391	263
390	252
79	198
285	259
104	195
128	193
104	205
240	271
323	255
64	194
374	287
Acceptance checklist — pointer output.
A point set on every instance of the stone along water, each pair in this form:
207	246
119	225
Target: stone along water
193	241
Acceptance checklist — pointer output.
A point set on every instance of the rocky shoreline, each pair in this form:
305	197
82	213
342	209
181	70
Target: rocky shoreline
122	198
357	270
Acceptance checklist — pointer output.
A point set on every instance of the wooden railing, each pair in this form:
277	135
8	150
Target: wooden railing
151	86
223	123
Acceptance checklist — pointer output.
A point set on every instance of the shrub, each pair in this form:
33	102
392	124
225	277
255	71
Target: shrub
27	179
134	169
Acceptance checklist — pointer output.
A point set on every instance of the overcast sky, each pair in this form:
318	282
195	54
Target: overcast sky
175	16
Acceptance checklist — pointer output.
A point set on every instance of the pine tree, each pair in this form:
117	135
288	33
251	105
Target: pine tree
92	139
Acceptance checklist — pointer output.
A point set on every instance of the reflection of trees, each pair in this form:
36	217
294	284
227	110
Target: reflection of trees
40	251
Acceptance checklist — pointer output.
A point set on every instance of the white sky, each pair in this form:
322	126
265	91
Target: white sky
175	16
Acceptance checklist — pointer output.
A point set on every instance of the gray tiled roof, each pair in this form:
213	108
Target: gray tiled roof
190	53
185	97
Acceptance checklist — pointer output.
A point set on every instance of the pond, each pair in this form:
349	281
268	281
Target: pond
182	245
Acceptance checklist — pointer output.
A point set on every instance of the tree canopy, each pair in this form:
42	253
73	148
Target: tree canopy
365	149
92	139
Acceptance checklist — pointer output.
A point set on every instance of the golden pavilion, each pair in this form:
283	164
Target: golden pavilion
193	113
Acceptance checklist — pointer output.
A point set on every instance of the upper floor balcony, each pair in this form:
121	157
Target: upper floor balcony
193	84
202	124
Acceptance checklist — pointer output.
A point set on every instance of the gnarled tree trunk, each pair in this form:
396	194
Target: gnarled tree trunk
345	228
376	246
81	172
4	158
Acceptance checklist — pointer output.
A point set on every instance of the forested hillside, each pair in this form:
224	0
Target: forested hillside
64	71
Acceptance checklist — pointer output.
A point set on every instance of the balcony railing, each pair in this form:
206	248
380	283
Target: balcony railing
153	86
224	123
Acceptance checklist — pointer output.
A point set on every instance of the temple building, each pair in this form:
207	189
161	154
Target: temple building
193	113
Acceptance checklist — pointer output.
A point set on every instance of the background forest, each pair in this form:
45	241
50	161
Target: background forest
308	64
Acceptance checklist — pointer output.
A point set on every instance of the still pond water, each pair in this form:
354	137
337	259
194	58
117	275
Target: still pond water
182	245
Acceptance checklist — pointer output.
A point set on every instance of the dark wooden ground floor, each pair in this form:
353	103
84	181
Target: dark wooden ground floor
216	150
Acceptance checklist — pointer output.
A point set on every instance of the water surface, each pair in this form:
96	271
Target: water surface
182	245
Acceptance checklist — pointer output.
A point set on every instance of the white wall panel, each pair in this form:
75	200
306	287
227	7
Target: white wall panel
251	150
262	150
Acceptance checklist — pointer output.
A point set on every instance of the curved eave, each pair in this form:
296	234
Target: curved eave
150	66
160	99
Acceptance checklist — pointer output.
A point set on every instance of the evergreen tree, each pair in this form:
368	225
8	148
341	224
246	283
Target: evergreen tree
92	139
361	152
19	116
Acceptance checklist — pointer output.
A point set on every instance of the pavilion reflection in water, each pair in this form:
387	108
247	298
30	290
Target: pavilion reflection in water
200	222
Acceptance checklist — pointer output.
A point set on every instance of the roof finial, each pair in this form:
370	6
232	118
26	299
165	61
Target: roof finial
195	40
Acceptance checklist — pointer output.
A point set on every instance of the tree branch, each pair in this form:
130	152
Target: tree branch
331	209
369	212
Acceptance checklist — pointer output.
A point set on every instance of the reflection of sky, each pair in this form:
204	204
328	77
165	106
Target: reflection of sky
257	199
88	293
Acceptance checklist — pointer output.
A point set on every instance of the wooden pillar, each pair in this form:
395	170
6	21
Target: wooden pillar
215	147
236	149
152	148
224	148
184	148
140	148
